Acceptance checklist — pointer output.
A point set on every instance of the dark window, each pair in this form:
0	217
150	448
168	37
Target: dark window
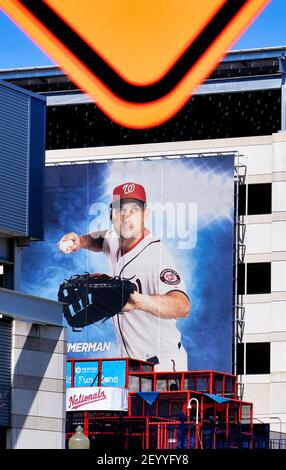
215	116
242	200
229	386
6	276
257	358
258	278
2	438
241	279
218	383
240	358
6	263
259	199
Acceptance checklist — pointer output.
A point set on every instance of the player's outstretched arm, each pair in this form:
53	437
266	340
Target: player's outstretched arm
172	305
72	242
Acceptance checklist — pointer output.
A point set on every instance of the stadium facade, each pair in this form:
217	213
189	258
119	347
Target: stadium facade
240	109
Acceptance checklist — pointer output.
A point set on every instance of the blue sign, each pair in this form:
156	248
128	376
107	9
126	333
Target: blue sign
113	373
86	374
68	374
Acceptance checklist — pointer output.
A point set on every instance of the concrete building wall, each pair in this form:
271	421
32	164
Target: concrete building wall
265	320
38	387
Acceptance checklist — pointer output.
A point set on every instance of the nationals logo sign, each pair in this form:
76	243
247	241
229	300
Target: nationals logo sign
96	398
78	400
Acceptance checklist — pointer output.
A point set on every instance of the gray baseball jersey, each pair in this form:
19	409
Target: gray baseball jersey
141	335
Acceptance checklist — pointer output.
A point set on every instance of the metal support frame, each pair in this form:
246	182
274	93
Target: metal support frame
242	296
240	171
282	70
149	157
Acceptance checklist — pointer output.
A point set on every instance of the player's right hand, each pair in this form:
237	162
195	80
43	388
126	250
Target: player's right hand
69	243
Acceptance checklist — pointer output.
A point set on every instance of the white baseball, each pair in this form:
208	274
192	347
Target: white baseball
66	246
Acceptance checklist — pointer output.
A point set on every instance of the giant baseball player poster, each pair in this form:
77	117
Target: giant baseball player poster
166	225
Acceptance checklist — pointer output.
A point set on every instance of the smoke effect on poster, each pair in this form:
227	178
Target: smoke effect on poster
190	205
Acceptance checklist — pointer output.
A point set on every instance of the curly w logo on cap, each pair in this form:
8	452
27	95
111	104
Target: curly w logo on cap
129	191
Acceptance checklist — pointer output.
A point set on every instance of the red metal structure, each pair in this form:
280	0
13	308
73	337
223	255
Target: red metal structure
171	410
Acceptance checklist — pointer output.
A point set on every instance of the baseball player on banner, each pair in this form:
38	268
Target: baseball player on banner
146	329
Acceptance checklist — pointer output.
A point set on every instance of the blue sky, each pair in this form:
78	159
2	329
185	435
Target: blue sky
19	51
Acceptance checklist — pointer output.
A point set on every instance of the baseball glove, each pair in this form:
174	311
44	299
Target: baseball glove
89	298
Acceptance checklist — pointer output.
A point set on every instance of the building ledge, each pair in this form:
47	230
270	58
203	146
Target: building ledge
30	308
